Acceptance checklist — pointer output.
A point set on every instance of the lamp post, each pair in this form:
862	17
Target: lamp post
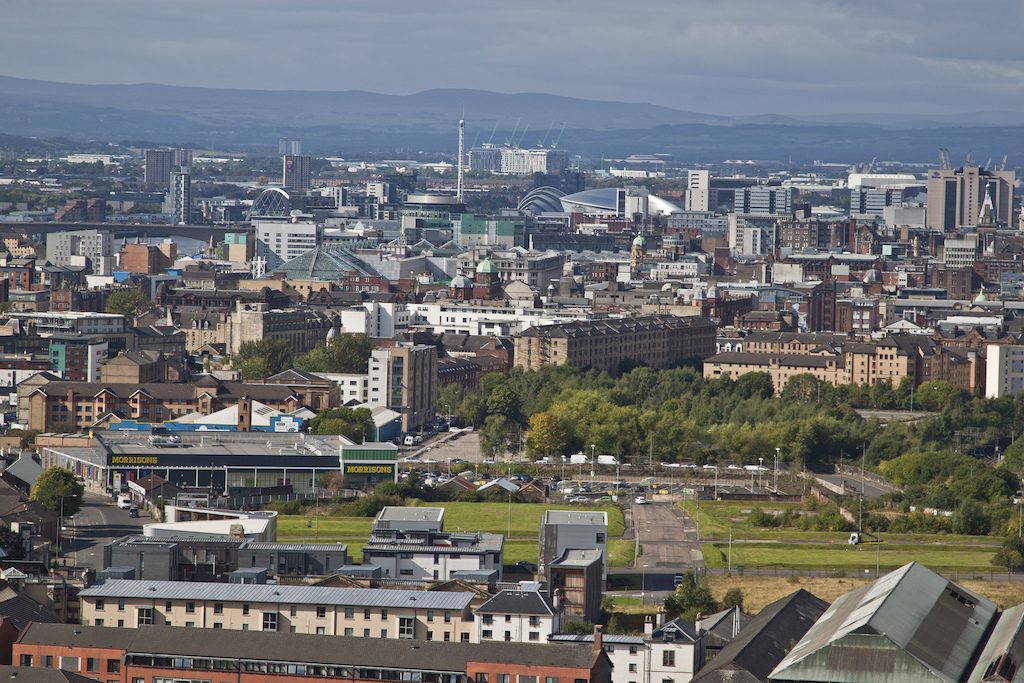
643	584
449	408
593	447
777	449
760	469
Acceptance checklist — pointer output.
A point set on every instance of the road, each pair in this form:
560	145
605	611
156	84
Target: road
669	541
852	484
94	526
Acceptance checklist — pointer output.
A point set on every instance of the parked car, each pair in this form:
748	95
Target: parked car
640	500
577	499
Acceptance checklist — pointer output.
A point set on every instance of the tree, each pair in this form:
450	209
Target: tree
347	353
11	545
504	401
129	303
733	598
547	434
498	436
263	358
353	423
56	484
970	518
692	597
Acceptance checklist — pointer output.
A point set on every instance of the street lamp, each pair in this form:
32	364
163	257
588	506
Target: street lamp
643	584
449	414
593	447
760	469
777	449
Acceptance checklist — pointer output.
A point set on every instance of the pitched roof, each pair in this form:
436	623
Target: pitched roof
516	602
764	641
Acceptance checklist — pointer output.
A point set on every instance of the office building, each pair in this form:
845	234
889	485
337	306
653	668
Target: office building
754	234
289	146
77	358
93	248
764	199
82	211
280	240
960	252
659	341
297	172
698	191
403	378
956	197
159	163
179	198
516	161
870	202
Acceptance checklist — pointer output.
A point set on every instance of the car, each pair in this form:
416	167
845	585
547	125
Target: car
577	499
124	502
640	500
603	499
133	512
733	467
526	566
487	461
709	467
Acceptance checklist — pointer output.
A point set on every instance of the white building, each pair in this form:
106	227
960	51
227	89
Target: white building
73	247
71	322
483	319
698	190
433	556
1004	370
666	653
517	616
353	387
179	197
280	239
753	235
960	252
376	319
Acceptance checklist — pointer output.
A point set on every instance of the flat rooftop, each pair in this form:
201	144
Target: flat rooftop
118	442
575	517
397	513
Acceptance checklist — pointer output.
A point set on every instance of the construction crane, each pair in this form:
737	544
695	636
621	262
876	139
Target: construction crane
1002	164
493	131
512	138
944	162
968	159
543	140
521	137
558	139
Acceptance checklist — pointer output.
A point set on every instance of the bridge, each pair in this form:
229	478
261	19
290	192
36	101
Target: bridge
203	233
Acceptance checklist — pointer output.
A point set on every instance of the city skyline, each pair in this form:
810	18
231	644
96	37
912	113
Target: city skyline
734	58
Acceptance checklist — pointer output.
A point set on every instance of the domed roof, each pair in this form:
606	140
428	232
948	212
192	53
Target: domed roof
486	266
639	241
981	298
461	282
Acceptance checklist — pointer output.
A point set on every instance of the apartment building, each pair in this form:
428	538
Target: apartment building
1004	370
161	654
377	613
562	530
279	239
433	556
403	378
519	616
659	341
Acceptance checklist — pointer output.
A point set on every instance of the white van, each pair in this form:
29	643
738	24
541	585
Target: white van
409	440
124	502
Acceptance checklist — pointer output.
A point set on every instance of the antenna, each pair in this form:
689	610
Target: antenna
462	154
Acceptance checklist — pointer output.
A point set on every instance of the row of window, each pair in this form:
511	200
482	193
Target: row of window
270	667
488	634
92	664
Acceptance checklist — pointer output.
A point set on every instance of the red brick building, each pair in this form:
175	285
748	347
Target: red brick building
154	654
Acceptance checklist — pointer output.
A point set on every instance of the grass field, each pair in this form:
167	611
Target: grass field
795	549
488	517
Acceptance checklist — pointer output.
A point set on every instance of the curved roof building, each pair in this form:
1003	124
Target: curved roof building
271	202
540	200
325	263
617	200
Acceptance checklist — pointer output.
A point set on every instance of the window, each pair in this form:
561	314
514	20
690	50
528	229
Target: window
383	614
98	622
321	612
447	617
534	635
168	606
145	616
190	608
70	663
26	660
632	667
366	633
100	604
481	677
632	649
245	609
366	614
508	636
113	666
668	658
245	627
508	618
320	630
292	611
486	634
447	637
138	680
217	624
349	632
270	621
406	627
488	619
527	679
120	605
535	621
504	678
405	572
349	613
430	616
48	661
218	608
551	679
92	664
384	633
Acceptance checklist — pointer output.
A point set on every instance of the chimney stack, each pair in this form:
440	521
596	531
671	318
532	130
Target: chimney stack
598	638
661	618
648	626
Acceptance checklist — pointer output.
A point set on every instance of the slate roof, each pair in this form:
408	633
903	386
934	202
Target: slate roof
764	641
517	602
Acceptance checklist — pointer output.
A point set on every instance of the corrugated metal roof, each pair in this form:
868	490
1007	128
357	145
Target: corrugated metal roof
296	547
608	638
298	595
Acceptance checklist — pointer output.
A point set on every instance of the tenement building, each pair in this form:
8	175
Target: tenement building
659	341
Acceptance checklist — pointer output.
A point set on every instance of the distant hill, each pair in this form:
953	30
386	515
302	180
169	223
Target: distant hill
357	121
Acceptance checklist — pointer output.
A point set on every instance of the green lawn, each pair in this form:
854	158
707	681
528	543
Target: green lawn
488	517
847	557
717	518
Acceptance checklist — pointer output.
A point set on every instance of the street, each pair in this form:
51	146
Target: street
669	541
95	525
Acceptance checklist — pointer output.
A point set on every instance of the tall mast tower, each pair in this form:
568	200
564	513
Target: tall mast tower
462	156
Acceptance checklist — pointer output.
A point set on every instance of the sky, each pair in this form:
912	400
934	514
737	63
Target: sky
730	57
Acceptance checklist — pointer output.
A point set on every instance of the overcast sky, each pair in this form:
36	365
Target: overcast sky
715	56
